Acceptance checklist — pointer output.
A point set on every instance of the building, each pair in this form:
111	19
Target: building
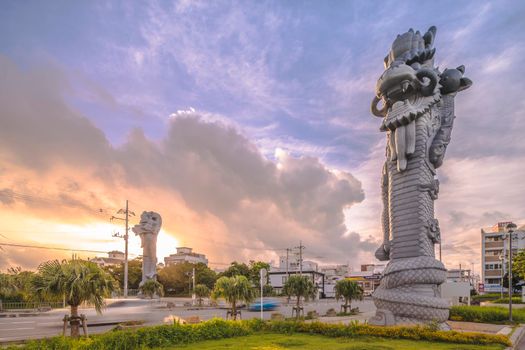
335	272
494	255
185	254
368	278
458	275
278	279
114	258
291	263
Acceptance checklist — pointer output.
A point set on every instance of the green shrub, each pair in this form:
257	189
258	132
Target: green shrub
398	332
515	300
491	296
178	334
483	314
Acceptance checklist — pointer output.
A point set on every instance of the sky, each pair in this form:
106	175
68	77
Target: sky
245	124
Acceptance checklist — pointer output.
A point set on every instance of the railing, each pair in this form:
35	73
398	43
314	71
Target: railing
30	305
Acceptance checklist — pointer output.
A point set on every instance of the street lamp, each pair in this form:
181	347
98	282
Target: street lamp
511	227
502	263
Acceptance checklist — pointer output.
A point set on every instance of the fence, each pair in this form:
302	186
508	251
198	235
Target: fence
30	305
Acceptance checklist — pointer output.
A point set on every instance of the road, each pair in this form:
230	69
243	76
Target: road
151	312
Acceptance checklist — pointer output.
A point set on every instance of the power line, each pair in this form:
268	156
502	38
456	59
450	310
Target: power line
33	198
49	248
18	245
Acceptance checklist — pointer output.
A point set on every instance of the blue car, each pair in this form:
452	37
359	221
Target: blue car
268	305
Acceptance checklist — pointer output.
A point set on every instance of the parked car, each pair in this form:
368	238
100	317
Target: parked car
268	305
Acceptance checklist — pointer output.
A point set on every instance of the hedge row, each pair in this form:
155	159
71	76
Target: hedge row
164	336
397	332
515	300
485	314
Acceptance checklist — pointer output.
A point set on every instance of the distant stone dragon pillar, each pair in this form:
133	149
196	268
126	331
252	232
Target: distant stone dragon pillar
417	111
148	230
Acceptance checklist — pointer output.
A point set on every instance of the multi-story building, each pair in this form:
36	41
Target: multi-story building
368	278
494	255
114	258
185	254
294	265
278	279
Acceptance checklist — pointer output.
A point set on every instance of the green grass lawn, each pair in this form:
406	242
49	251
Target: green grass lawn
319	342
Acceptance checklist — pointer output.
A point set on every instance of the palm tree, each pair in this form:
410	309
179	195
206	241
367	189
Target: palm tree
201	291
78	281
348	290
152	287
234	289
301	287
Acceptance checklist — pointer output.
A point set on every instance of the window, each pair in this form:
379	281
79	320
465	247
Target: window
285	278
492	266
492	280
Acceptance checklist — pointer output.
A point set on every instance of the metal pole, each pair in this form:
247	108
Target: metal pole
287	264
261	275
126	254
502	261
510	276
301	258
193	296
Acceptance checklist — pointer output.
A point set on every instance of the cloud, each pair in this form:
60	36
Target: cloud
211	184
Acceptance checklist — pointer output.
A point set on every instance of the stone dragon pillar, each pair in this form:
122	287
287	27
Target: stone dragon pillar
417	111
148	230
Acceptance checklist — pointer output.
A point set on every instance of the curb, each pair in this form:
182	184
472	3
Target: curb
516	337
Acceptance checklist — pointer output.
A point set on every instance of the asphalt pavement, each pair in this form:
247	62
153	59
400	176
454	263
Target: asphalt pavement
151	312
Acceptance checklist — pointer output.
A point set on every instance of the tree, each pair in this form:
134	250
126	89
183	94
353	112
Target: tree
201	291
301	287
16	285
236	269
515	281
348	290
176	278
255	270
78	281
518	265
267	290
234	289
134	273
151	288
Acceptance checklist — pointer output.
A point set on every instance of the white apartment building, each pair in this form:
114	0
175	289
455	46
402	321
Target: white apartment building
185	254
494	255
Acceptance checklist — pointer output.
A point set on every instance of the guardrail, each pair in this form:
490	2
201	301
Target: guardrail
29	305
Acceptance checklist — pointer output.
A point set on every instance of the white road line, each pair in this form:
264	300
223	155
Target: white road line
16	329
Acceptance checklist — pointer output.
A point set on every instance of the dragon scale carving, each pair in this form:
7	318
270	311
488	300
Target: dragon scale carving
417	115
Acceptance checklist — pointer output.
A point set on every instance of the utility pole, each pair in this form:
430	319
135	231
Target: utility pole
510	228
300	247
287	264
125	236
